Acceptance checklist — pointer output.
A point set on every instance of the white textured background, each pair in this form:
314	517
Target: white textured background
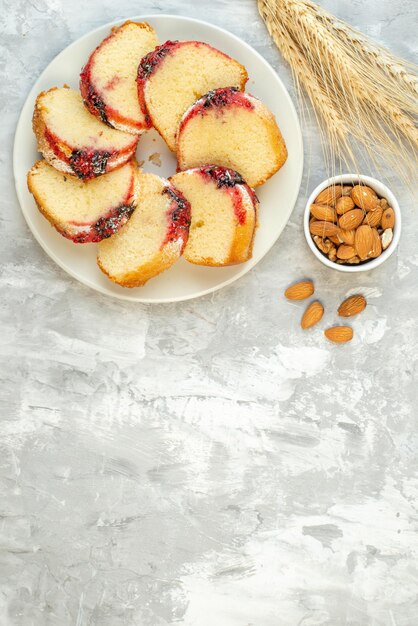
206	463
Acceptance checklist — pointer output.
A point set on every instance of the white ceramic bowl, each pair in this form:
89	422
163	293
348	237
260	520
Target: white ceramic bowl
382	191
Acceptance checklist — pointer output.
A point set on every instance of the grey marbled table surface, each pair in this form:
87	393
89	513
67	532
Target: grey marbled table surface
205	463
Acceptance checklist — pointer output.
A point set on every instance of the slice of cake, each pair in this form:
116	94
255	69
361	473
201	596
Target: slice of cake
224	215
154	237
73	140
175	74
233	129
85	212
108	80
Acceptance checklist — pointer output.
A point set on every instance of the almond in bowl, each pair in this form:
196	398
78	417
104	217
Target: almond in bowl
352	223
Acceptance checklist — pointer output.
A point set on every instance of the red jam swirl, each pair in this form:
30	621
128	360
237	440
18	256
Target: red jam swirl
94	100
218	99
107	225
179	217
230	181
147	66
87	163
153	59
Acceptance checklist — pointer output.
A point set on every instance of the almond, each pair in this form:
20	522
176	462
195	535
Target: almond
300	291
346	190
323	229
376	245
363	241
312	315
386	238
345	252
365	197
346	236
388	218
352	306
373	218
335	240
329	195
351	219
323	212
339	334
344	204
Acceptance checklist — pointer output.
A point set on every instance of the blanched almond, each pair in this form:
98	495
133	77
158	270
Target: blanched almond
323	229
312	315
351	219
329	195
345	252
339	334
300	291
323	212
344	204
363	241
386	238
365	197
388	218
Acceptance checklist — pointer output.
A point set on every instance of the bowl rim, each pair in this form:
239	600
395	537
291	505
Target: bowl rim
382	190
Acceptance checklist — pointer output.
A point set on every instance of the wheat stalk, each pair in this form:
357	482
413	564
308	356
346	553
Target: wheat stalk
361	93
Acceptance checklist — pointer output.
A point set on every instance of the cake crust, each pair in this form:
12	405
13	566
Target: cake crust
166	203
97	98
103	226
183	75
243	210
233	129
82	160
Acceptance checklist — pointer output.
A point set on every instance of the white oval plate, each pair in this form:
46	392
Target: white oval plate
277	196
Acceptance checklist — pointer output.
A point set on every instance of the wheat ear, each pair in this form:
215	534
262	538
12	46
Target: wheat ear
358	90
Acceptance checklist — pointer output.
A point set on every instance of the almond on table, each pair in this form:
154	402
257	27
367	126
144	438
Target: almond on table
312	315
300	291
339	334
352	306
